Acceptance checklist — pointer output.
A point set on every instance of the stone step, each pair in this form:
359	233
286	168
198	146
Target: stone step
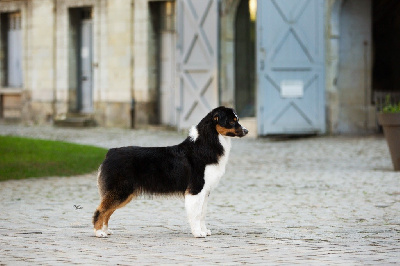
75	120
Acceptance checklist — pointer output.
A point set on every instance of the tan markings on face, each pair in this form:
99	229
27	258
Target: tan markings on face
235	119
224	131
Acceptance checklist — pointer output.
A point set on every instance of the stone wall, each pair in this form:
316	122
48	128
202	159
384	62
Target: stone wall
349	67
40	79
121	70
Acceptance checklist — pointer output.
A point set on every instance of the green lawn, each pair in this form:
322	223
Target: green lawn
25	158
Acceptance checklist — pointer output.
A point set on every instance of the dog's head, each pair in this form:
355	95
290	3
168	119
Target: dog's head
227	122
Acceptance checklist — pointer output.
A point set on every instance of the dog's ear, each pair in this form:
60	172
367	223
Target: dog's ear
216	117
218	114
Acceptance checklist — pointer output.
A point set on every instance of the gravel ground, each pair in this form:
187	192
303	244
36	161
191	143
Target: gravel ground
312	201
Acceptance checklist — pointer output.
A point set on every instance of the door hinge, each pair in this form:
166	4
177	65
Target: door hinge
262	64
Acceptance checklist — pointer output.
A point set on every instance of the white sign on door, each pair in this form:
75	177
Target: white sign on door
292	88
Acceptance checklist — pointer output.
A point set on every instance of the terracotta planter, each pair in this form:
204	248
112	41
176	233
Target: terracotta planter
391	128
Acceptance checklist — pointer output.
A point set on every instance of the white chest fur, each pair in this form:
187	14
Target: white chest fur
214	172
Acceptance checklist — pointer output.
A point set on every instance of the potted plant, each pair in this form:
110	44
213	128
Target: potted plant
389	119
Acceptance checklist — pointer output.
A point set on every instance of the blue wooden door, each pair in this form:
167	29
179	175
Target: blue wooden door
197	58
290	67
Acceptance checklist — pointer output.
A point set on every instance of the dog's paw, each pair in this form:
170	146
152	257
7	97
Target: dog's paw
199	234
106	230
100	233
204	229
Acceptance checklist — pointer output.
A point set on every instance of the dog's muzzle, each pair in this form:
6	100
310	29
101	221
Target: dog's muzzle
243	132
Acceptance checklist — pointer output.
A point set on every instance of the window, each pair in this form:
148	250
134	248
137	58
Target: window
11	50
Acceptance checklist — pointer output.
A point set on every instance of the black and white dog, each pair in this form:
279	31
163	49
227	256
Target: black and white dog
191	169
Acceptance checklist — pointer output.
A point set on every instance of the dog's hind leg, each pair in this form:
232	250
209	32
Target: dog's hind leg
103	213
194	208
111	211
107	216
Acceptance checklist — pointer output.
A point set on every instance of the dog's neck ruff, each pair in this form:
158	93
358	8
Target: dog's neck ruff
226	143
214	172
193	133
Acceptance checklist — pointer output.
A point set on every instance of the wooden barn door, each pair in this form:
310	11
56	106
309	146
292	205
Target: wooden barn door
197	55
290	65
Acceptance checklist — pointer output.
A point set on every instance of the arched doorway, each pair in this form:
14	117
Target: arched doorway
356	113
244	61
364	40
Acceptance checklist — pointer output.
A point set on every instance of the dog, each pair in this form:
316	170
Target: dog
192	169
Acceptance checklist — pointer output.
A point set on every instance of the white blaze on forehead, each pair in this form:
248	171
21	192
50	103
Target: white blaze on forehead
236	115
193	133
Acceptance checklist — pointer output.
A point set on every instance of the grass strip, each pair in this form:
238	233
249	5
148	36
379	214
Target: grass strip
26	158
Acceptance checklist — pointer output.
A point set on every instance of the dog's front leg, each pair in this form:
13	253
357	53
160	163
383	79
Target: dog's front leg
203	215
194	209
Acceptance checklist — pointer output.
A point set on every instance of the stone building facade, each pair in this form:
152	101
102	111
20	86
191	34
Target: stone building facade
118	63
118	51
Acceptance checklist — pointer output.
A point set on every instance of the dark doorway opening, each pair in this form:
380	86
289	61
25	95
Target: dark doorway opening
80	60
244	61
386	52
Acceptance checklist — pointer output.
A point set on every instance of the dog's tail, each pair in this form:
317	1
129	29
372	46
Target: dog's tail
100	181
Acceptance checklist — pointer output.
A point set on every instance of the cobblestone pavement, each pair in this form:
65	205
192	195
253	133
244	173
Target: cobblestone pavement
314	201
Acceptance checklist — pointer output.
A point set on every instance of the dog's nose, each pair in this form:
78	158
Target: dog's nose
245	131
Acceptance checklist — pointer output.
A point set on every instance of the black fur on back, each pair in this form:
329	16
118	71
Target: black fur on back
163	170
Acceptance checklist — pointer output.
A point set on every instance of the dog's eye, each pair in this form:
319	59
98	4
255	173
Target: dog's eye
232	123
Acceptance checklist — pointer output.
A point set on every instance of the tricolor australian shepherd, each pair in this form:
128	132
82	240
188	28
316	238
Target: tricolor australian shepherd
192	169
